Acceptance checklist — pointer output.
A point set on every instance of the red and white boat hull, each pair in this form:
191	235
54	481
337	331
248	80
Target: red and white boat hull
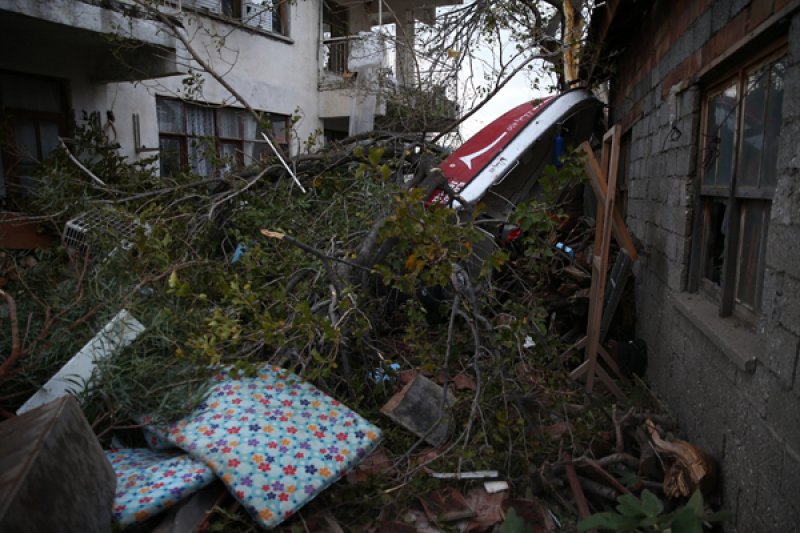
501	163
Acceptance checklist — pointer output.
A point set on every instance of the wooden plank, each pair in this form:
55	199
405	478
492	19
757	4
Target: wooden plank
582	370
422	407
610	362
731	250
608	382
608	222
620	231
603	229
696	252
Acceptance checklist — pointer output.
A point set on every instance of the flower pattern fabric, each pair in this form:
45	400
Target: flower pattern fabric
275	441
150	481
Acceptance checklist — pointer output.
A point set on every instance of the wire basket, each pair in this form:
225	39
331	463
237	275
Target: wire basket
86	231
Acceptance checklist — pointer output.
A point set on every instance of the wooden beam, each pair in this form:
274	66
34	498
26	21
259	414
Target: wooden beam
618	228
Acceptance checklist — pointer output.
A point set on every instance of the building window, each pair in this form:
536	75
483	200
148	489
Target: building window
267	15
33	115
212	140
741	123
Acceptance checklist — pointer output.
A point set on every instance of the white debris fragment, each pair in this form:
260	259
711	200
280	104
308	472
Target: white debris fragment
529	342
495	486
480	474
72	377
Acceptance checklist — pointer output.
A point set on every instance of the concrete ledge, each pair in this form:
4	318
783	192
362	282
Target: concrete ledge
739	344
73	14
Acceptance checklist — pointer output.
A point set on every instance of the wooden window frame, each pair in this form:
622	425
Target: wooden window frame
185	139
739	201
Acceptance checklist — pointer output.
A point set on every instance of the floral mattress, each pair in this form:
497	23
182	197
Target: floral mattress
274	440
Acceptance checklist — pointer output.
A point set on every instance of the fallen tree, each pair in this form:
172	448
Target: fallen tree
356	286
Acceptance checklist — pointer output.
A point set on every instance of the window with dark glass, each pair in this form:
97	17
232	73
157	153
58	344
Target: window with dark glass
738	171
213	140
33	115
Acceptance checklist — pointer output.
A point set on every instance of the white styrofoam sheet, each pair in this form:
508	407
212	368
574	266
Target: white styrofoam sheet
72	377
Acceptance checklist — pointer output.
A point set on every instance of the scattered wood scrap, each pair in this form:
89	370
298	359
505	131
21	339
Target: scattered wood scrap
422	407
687	467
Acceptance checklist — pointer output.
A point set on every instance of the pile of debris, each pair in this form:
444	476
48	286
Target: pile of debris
303	322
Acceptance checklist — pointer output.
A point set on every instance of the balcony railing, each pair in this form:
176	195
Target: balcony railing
422	98
335	52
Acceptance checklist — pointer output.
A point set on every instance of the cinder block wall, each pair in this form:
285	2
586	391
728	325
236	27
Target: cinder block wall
745	412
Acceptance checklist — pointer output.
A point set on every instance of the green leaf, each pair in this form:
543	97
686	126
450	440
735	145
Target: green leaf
629	505
611	521
695	503
685	521
629	478
183	289
651	504
375	155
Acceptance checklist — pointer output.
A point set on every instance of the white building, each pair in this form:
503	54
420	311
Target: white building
66	62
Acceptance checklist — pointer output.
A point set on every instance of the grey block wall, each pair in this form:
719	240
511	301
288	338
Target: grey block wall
735	392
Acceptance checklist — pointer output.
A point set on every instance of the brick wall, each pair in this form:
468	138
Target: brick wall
735	392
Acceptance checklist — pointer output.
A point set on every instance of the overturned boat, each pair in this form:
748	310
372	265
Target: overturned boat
501	164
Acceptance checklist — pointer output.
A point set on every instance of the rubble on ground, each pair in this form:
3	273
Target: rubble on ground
351	287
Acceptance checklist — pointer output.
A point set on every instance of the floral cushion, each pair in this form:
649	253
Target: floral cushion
150	481
274	440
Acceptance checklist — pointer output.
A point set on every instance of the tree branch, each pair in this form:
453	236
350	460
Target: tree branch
16	349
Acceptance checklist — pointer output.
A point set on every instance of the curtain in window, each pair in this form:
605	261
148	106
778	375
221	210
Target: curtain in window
170	116
250	127
200	126
228	122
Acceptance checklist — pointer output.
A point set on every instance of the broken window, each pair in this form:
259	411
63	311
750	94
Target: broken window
212	140
268	15
738	168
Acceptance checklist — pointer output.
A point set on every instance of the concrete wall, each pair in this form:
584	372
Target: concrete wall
735	391
272	74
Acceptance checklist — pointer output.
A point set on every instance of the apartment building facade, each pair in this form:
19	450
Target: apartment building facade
136	70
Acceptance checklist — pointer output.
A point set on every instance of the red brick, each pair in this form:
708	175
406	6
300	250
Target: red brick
663	48
698	7
735	30
680	20
711	49
678	74
632	116
759	11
